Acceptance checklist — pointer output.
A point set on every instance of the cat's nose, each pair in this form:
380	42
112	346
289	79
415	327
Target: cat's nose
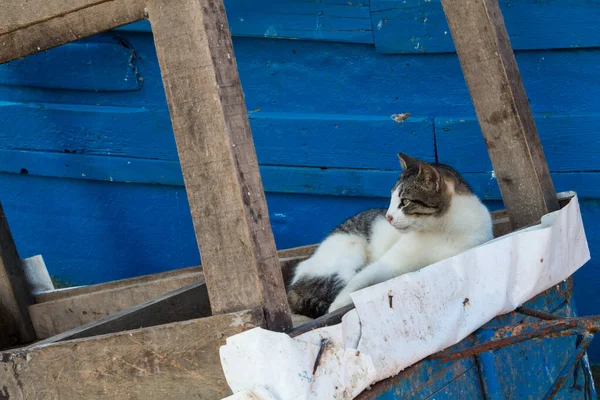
389	218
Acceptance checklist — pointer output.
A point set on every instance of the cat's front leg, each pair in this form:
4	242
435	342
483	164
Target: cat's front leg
372	274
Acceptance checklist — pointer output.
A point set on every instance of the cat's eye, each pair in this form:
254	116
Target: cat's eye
405	202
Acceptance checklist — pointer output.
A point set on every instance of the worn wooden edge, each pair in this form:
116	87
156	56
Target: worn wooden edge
15	294
54	317
284	257
176	360
122	283
301	251
188	302
494	82
67	22
51	318
216	151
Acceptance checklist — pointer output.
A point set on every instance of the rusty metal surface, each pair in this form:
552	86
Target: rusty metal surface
518	333
535	351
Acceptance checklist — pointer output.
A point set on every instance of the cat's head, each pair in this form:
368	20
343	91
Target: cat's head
422	196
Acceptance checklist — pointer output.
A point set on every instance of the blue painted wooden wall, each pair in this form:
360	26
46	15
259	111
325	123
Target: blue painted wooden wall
89	174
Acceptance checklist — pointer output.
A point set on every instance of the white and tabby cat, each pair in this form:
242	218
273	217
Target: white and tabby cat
433	215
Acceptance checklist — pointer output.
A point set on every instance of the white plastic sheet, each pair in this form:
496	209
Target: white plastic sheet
432	309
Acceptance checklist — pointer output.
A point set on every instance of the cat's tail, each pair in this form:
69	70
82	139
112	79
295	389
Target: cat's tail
310	307
312	296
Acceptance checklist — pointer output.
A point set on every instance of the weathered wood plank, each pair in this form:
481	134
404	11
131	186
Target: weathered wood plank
173	361
302	251
423	86
293	180
14	14
15	297
54	317
280	139
285	257
64	310
218	159
188	302
502	107
43	25
113	285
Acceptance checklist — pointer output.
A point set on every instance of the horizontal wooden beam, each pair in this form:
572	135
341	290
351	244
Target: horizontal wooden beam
54	317
285	256
122	283
133	306
172	361
42	25
61	312
188	302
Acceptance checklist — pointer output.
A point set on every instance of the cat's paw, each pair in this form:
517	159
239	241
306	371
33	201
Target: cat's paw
342	300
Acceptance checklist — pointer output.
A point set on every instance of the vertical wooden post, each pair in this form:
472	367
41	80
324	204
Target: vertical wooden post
494	81
218	158
15	324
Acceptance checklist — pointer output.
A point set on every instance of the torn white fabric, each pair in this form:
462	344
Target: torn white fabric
401	321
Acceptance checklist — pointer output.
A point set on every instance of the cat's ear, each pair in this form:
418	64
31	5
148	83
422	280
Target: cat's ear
430	175
407	161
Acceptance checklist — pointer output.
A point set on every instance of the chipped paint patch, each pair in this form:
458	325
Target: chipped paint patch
271	31
400	117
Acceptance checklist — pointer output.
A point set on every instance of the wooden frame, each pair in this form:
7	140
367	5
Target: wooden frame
211	129
226	198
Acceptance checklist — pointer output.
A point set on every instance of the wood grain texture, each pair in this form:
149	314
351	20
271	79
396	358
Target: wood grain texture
173	361
502	108
60	311
54	317
119	284
218	159
15	296
188	302
285	256
16	15
42	25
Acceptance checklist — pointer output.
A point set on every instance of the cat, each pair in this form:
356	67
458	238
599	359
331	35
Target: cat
433	214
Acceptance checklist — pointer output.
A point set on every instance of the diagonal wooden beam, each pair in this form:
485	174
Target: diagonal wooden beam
218	159
188	302
15	297
494	81
33	26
